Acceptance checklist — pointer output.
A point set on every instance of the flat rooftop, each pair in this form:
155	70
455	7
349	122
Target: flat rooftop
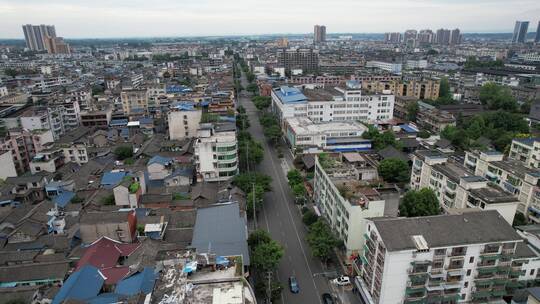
322	94
303	125
515	167
453	171
493	195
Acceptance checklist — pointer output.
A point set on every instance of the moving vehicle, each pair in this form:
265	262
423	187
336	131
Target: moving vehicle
293	285
342	281
327	298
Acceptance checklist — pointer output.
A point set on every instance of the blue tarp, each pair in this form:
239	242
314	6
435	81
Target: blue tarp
220	260
111	179
105	298
142	282
290	94
190	267
63	198
81	285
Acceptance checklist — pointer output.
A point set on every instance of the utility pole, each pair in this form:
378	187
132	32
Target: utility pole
269	290
254	203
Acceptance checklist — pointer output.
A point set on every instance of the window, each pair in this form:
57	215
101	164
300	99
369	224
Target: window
466	284
468	272
471	260
532	272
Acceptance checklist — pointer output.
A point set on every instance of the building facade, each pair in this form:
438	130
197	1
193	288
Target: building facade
216	152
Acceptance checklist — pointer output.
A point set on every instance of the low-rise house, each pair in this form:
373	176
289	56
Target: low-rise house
28	188
129	192
33	274
119	226
159	167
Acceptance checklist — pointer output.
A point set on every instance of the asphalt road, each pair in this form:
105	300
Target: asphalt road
282	219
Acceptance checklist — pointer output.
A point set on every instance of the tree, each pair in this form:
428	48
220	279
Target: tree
321	240
244	181
394	170
412	111
266	256
123	152
253	88
254	197
11	72
497	97
309	218
108	200
262	102
519	219
444	87
423	202
294	177
273	133
299	190
250	77
383	140
76	200
424	134
258	237
249	150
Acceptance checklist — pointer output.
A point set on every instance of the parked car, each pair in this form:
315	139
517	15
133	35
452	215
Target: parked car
327	298
342	281
293	285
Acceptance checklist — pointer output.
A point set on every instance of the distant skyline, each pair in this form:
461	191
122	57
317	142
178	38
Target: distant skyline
170	18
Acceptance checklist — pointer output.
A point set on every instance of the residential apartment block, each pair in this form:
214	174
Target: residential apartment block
421	89
184	121
305	59
440	259
216	152
527	151
345	199
512	176
457	187
344	103
134	101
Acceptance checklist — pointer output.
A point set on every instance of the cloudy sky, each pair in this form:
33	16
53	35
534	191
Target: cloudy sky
145	18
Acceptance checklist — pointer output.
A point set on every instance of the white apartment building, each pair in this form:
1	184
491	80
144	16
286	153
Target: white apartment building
52	158
473	257
302	133
322	104
392	67
3	91
529	57
184	121
527	151
216	152
346	202
457	187
510	175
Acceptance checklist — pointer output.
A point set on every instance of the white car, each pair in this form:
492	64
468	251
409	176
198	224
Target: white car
342	281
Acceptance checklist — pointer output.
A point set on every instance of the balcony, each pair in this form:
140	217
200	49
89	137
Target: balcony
455	252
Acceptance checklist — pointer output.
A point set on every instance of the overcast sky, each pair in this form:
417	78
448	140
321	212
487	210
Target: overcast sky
145	18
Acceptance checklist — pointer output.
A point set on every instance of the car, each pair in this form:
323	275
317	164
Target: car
293	285
327	298
342	281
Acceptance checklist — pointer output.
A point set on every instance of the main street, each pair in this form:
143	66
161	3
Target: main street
282	219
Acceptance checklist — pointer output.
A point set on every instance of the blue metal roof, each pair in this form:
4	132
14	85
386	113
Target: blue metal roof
146	120
63	198
142	282
408	128
81	285
118	122
184	106
290	94
105	298
111	179
160	160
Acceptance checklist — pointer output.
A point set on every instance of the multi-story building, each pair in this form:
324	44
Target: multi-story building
520	31
184	121
455	37
416	64
527	151
512	176
343	103
537	36
439	259
98	118
216	152
7	164
425	37
392	67
392	37
443	37
434	119
458	188
36	36
344	198
303	134
409	38
305	59
319	34
55	156
134	101
24	145
421	89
